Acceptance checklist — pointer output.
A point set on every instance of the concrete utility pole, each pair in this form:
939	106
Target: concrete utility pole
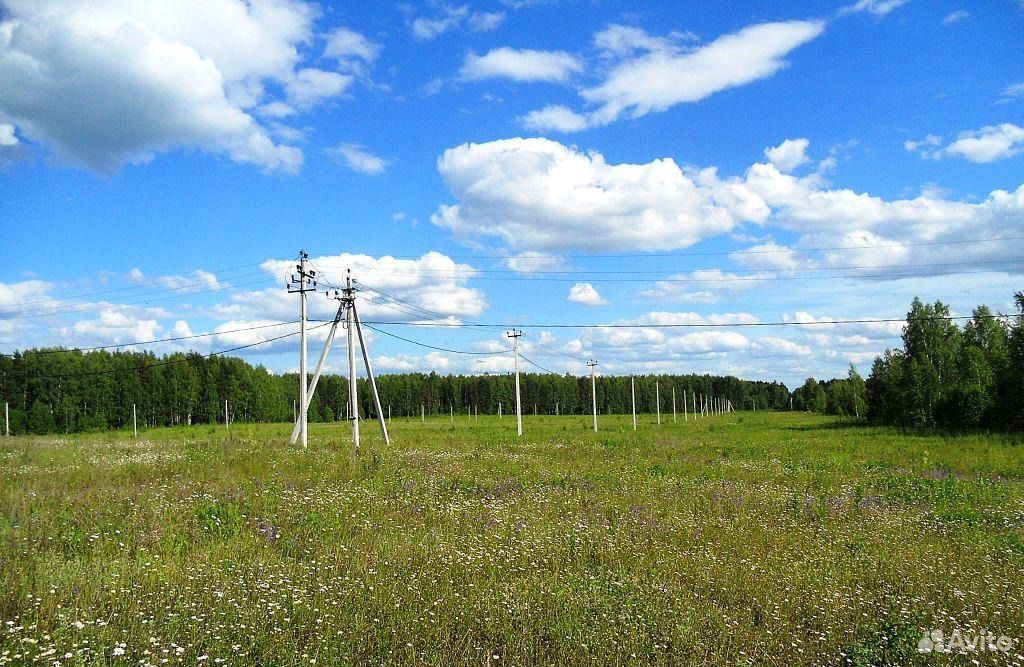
451	413
499	409
693	397
350	291
673	405
423	413
302	282
227	421
7	419
514	335
657	401
686	417
632	391
353	388
135	422
593	389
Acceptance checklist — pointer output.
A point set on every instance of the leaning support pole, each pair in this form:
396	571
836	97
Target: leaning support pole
353	399
316	373
369	373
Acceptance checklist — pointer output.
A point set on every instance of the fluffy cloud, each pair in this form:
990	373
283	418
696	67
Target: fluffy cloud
990	143
7	137
537	194
523	65
358	159
649	74
433	282
109	82
451	18
586	295
351	50
788	155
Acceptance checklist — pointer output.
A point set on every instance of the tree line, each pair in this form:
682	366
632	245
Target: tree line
944	376
65	391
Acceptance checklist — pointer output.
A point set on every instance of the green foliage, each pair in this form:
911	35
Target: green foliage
40	419
96	390
952	378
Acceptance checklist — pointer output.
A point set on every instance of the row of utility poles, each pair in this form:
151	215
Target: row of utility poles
305	280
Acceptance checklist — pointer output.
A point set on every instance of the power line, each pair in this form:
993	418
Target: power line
149	342
726	279
533	363
471	274
171	362
673	325
83	308
433	347
727	252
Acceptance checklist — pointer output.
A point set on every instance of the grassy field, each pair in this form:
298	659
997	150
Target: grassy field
761	539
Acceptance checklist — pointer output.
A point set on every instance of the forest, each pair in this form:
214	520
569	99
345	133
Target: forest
945	376
65	391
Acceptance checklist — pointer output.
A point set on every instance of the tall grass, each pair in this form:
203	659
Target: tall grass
767	539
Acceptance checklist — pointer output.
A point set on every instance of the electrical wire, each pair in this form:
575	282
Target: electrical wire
673	325
546	370
171	362
433	347
729	252
150	342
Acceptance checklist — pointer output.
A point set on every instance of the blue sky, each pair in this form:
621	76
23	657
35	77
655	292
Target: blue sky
532	162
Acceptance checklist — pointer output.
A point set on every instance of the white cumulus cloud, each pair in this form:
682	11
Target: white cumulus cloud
586	295
988	144
108	82
359	159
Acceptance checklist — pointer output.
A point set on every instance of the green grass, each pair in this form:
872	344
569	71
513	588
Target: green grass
767	539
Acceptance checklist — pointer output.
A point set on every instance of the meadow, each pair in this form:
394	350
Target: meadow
743	539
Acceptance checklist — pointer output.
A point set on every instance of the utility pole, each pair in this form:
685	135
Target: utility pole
514	335
632	391
693	397
673	405
423	413
686	417
451	413
350	291
593	389
227	421
135	422
7	419
302	282
657	401
499	409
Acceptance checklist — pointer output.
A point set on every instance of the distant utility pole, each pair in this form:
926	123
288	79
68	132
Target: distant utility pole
300	283
693	397
423	413
514	335
593	389
657	401
135	422
227	421
499	409
673	405
632	391
7	419
686	417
